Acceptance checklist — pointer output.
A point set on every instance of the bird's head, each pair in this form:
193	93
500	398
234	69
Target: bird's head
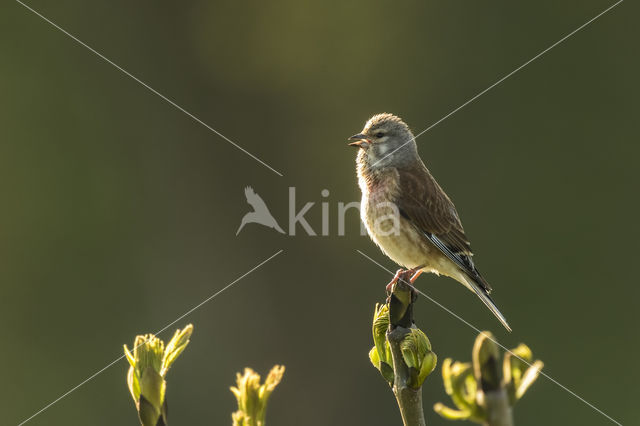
385	140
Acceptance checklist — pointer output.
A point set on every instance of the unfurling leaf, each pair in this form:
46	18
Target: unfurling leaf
467	383
252	396
148	364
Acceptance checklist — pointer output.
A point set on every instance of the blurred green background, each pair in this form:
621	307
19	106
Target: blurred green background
120	212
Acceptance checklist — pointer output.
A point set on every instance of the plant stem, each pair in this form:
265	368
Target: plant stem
488	374
499	411
409	399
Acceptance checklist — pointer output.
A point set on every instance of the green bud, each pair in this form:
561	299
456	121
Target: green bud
152	408
400	300
485	362
149	362
417	355
466	383
252	396
380	354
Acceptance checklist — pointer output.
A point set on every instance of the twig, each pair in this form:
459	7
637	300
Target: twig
487	372
499	411
400	323
409	399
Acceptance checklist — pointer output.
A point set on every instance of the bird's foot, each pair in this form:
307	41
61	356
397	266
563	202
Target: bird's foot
395	279
414	273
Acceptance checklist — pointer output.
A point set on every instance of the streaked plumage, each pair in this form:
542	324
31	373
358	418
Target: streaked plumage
429	231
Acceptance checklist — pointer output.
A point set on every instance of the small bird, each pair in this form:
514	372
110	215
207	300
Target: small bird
260	213
406	212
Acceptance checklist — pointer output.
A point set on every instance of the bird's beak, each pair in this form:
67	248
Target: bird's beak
360	139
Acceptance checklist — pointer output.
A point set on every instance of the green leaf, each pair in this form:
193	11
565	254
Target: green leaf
153	388
134	386
529	377
458	382
252	396
175	347
374	357
415	347
147	413
379	329
129	356
387	372
428	365
450	413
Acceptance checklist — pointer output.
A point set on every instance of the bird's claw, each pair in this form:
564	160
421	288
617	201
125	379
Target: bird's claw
414	273
395	279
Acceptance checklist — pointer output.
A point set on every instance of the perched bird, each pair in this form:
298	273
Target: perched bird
260	213
406	212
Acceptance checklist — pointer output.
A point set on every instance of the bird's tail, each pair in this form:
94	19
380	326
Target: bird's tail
480	290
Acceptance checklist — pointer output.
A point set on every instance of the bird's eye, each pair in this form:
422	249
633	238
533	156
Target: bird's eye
379	135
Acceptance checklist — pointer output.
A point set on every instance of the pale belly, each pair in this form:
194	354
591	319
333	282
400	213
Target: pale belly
399	239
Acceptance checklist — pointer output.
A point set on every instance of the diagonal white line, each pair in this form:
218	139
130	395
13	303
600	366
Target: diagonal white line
503	78
467	323
97	373
151	89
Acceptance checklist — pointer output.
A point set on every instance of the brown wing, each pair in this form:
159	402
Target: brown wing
430	209
423	202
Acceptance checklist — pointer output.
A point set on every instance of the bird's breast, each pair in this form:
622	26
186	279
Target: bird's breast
395	235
